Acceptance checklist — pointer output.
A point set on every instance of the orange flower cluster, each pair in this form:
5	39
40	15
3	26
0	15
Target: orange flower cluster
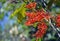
42	27
37	16
31	5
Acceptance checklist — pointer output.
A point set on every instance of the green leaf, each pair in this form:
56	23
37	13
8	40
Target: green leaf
19	18
35	24
50	4
39	39
19	13
57	2
1	16
33	39
19	10
3	1
9	7
22	11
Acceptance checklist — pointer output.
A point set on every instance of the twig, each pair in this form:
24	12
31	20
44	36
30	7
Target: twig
52	26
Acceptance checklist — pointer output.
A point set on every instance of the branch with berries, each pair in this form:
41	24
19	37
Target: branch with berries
40	16
37	15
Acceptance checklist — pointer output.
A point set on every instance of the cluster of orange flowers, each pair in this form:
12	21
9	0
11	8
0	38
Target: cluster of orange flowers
39	16
42	27
36	16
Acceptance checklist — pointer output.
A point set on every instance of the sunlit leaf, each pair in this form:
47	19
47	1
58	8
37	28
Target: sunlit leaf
19	13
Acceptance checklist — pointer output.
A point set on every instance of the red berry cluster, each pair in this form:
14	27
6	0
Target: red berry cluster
58	20
42	27
31	5
37	16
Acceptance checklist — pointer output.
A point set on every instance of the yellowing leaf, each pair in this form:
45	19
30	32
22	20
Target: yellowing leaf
23	12
19	21
20	12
